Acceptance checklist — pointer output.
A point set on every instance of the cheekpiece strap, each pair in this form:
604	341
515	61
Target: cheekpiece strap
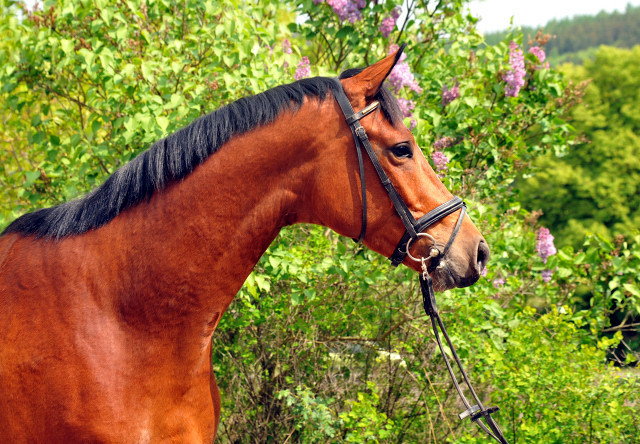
361	140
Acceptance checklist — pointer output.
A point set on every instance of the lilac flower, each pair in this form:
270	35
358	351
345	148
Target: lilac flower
303	70
286	46
401	75
515	76
440	161
483	273
406	106
348	9
389	23
498	282
449	95
538	52
444	142
317	2
544	245
546	275
393	48
412	124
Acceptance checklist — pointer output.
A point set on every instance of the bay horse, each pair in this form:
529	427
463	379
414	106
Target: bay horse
109	302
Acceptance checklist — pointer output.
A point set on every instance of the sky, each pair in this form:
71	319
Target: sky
496	14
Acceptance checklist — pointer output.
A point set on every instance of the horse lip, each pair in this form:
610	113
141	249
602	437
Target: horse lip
444	280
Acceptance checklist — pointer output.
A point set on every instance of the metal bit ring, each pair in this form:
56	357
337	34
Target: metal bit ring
433	247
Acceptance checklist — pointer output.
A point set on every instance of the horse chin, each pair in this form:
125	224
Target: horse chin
444	277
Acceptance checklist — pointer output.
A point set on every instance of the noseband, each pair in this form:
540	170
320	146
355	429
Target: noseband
414	229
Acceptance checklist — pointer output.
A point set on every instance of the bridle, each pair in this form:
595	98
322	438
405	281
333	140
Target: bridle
413	230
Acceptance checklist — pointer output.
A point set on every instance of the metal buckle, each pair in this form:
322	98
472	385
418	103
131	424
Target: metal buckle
471	411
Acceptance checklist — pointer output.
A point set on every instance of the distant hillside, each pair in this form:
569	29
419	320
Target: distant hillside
577	38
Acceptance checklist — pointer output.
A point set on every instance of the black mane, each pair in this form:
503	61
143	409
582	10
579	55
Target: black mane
175	156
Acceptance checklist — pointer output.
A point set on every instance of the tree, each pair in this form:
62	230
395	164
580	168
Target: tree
595	187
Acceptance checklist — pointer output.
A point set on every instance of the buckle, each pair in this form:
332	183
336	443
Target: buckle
475	413
471	411
486	412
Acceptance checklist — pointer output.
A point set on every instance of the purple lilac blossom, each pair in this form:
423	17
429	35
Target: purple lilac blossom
449	95
401	76
544	244
348	9
546	275
483	273
406	106
389	23
286	46
444	142
498	282
440	161
538	52
393	48
303	70
515	76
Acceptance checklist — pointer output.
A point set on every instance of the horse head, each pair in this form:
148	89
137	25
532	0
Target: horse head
338	199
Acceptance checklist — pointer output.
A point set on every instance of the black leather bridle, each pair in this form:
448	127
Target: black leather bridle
414	229
412	226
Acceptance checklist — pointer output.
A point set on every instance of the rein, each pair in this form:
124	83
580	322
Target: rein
413	230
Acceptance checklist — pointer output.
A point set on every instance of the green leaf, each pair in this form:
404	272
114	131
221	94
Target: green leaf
31	177
147	72
163	123
633	289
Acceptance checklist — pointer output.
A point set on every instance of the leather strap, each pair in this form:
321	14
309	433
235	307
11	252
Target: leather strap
454	233
476	412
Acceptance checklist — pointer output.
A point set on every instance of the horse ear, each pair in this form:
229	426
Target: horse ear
362	87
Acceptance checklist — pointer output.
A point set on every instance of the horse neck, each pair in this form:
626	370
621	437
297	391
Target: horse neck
186	253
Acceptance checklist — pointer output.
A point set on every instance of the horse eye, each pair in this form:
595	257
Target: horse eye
402	151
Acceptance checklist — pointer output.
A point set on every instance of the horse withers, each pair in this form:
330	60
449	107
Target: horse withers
109	302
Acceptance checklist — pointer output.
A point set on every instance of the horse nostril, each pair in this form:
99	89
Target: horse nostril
483	255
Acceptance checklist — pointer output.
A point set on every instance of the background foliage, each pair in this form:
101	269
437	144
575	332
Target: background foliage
325	342
596	186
